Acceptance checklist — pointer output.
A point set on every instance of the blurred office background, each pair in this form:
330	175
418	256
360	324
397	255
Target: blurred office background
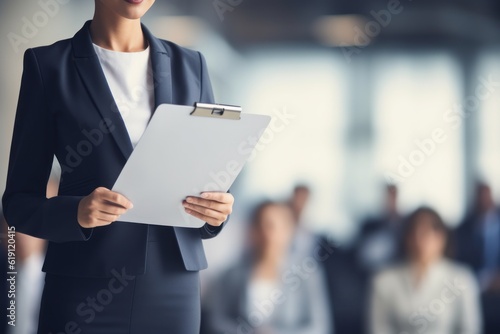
379	107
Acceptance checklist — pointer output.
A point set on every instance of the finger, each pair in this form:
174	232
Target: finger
105	216
209	220
111	209
218	196
95	222
206	212
101	222
214	205
116	198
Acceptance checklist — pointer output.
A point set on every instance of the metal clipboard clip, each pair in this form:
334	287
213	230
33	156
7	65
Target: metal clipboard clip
216	111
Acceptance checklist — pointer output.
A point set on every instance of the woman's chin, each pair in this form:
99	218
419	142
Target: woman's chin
132	16
128	9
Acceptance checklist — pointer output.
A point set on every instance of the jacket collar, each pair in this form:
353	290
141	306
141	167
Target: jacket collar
93	77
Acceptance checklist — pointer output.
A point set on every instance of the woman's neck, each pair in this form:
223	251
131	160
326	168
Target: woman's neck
421	267
267	265
110	31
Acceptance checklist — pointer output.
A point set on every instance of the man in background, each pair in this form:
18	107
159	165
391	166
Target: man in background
378	243
478	246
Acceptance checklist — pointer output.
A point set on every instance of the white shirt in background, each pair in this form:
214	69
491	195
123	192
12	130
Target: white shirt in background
445	302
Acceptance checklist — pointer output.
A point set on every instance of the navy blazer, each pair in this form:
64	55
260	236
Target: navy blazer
66	109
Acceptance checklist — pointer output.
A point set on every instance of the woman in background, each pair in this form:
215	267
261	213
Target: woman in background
427	293
269	292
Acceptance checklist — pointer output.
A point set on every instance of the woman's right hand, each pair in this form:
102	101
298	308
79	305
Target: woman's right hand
101	208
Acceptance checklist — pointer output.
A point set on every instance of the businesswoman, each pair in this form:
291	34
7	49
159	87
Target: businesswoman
86	101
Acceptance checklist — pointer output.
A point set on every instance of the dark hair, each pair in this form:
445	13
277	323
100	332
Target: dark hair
391	188
259	209
412	222
301	187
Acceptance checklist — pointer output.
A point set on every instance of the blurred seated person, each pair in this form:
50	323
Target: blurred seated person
478	245
377	244
348	287
426	293
4	301
29	280
478	239
304	239
299	200
268	292
30	254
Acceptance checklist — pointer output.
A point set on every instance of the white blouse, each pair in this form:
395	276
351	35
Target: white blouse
445	302
257	292
130	79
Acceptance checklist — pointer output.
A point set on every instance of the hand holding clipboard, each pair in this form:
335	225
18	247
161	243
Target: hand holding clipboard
183	152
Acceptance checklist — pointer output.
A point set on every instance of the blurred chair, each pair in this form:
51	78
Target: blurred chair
478	245
426	293
269	291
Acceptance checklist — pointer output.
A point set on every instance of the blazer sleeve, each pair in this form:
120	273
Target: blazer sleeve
207	96
25	204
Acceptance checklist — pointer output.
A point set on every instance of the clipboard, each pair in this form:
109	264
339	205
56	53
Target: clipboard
183	152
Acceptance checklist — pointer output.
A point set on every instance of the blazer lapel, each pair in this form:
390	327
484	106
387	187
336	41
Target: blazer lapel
162	71
93	77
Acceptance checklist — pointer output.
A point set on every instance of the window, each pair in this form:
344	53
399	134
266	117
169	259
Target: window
307	146
417	144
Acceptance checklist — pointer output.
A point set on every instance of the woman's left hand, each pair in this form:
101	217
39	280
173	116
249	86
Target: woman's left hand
212	207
